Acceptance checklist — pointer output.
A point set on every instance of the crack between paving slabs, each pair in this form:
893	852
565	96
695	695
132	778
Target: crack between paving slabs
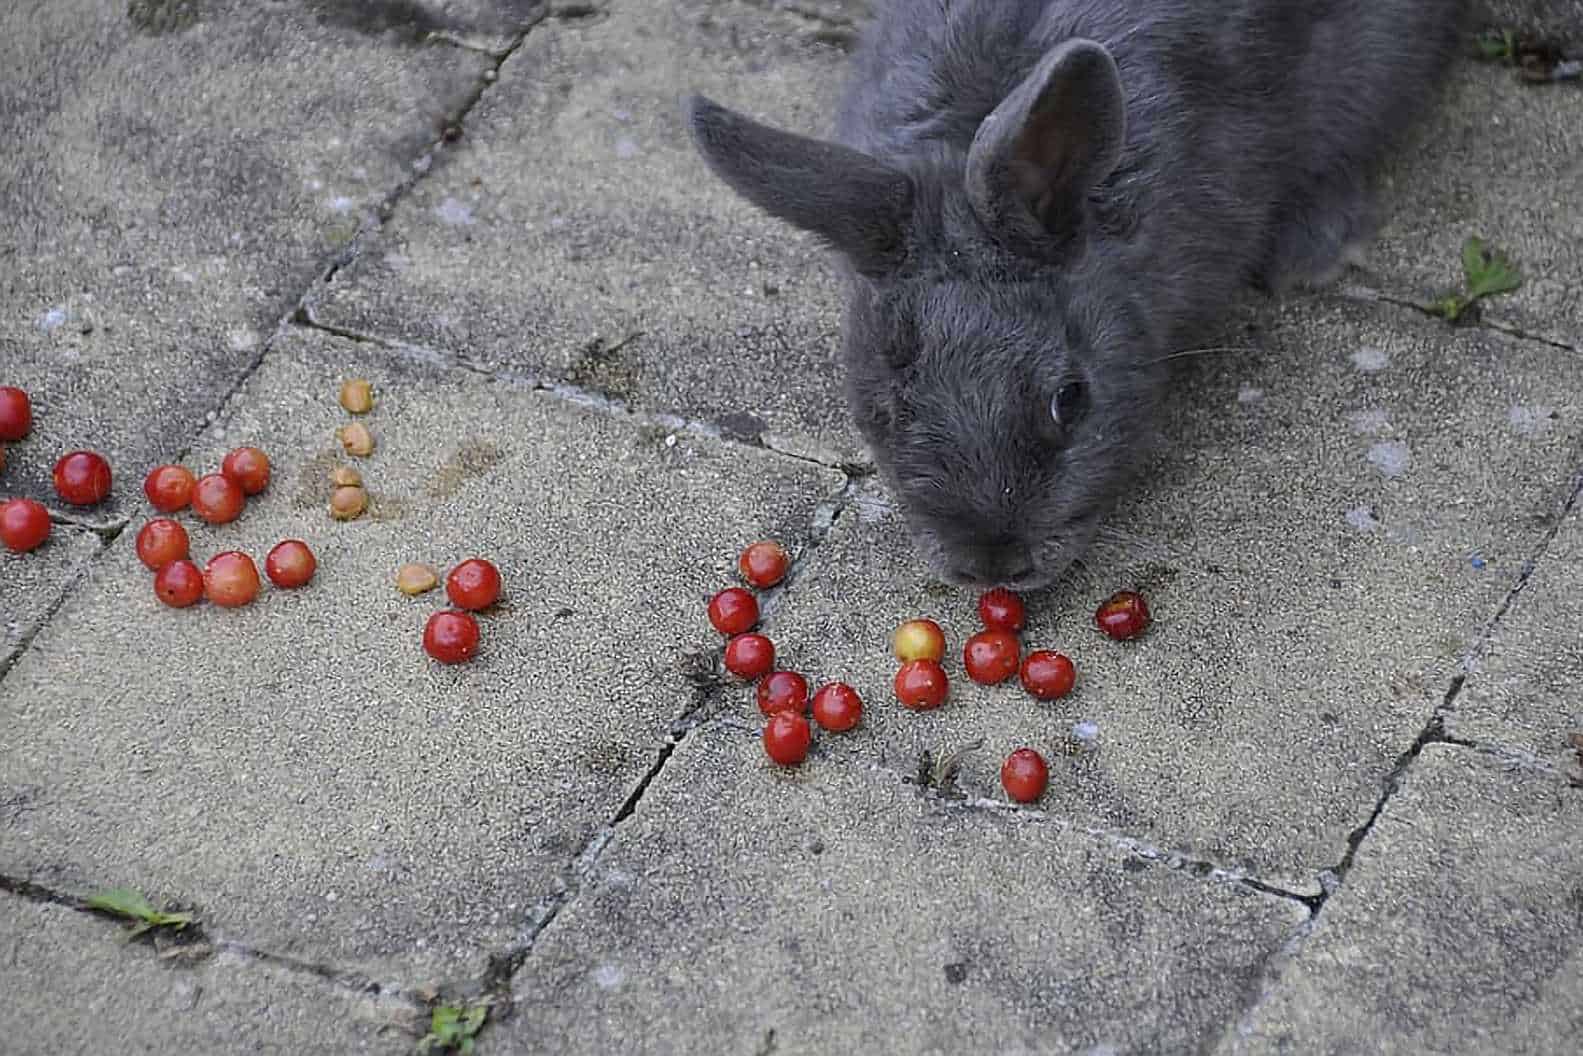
504	965
105	539
1370	295
578	396
1433	732
1200	868
200	939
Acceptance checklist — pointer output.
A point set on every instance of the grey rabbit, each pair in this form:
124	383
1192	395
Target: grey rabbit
1034	202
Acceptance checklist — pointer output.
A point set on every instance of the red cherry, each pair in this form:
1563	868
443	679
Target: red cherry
230	580
247	468
169	487
160	542
82	478
1023	775
921	684
16	413
991	656
763	564
733	611
750	656
217	499
787	737
1123	615
290	564
837	707
782	691
1001	610
473	584
451	637
179	584
1048	675
24	524
918	640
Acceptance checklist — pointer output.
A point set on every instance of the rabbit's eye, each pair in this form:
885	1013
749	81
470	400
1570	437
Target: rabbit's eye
1068	405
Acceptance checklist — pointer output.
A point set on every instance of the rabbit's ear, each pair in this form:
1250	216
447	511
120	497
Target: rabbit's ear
857	204
1048	143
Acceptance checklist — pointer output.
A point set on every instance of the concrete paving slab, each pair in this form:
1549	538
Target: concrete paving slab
1503	161
835	909
31	584
1335	517
1526	692
299	769
177	174
1458	930
72	986
575	233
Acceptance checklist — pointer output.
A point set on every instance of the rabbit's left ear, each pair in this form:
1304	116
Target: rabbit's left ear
853	201
1049	143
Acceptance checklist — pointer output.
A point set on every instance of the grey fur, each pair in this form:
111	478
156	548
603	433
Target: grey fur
1079	235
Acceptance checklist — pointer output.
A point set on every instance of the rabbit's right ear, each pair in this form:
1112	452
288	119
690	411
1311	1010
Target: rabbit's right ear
853	201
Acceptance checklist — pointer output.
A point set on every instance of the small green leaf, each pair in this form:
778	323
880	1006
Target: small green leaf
124	901
1497	44
1487	270
1450	307
451	1028
131	904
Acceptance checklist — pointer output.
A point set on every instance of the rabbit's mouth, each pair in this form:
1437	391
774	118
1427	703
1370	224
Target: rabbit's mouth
1018	565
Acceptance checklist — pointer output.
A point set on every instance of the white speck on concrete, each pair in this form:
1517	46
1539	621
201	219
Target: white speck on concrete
241	339
452	211
608	976
1532	421
314	186
871	508
1085	730
340	204
1362	519
1390	457
1370	359
1371	423
1249	394
51	319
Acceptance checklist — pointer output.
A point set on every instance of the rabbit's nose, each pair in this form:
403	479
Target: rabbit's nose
992	565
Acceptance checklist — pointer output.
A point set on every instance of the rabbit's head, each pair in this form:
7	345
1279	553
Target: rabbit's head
1001	370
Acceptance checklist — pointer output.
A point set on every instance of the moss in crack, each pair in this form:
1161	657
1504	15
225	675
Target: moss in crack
158	17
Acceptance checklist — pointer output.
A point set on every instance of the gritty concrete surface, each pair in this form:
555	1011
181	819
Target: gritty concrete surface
176	175
840	910
1525	693
1557	19
574	232
1502	161
1333	541
299	769
1458	930
32	584
169	1002
1350	447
